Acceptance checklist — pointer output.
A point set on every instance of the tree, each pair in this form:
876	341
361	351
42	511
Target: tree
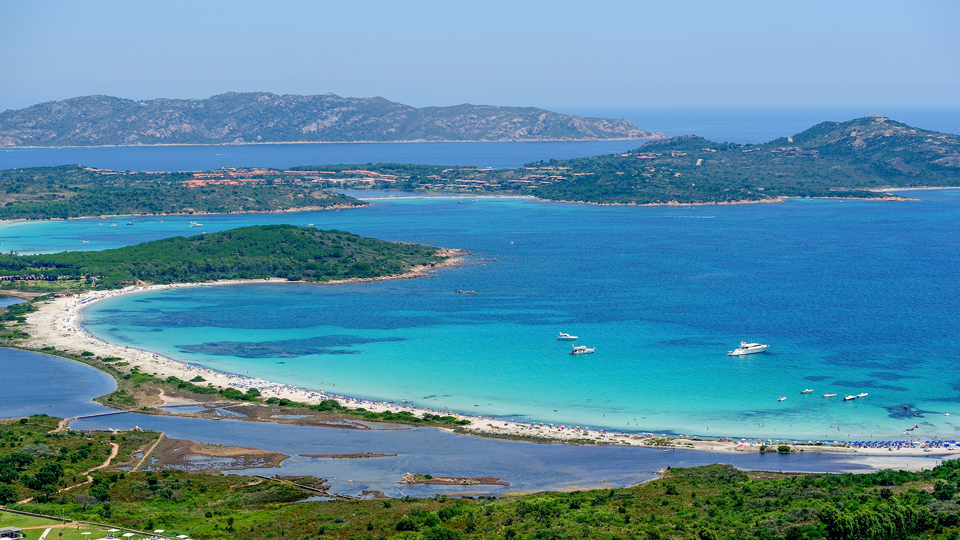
8	494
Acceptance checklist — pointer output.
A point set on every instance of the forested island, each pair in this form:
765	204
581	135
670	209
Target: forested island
257	252
37	460
261	117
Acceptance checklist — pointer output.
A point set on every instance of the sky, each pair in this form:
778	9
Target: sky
556	53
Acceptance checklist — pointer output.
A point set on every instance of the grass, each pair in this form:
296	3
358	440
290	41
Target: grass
35	526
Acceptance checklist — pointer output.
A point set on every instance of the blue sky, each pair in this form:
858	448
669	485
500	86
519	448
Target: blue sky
548	54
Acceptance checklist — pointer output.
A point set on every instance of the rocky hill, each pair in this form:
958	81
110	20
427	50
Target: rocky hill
846	159
264	117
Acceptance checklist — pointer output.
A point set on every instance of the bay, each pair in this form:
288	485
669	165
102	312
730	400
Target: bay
853	296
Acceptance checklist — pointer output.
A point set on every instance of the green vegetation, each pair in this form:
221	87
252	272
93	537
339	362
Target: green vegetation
828	160
264	117
73	191
850	159
711	502
37	462
284	251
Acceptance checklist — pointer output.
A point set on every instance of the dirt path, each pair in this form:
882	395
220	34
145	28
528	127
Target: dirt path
146	454
115	448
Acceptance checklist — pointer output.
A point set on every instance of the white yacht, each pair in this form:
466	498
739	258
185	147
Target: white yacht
807	391
782	398
862	394
830	394
195	224
748	348
563	336
849	398
581	349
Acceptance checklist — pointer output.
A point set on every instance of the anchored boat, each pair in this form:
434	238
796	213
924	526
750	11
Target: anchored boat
581	349
748	348
563	336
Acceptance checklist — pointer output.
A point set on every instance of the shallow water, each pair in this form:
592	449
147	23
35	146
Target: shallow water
853	296
527	466
40	384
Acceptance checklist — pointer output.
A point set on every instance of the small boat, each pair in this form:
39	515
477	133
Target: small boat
563	336
863	394
831	394
748	348
195	224
113	224
581	349
129	223
849	398
807	391
782	398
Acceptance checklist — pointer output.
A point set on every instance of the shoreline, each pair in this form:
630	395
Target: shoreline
178	214
277	143
450	195
58	323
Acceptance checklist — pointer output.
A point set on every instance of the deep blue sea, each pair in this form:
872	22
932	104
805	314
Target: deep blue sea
853	297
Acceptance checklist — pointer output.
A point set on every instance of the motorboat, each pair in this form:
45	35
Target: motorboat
782	398
581	349
807	391
748	348
849	398
563	336
195	224
830	394
863	394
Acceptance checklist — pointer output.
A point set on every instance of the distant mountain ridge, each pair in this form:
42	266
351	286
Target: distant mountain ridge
260	117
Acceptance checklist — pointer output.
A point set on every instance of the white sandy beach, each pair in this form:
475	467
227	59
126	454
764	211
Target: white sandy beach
57	323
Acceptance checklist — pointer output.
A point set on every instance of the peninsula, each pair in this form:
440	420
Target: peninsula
258	252
854	159
260	117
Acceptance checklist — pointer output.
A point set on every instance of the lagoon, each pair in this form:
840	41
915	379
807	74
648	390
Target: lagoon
59	387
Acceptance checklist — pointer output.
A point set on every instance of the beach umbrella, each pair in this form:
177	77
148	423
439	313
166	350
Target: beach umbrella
158	531
113	530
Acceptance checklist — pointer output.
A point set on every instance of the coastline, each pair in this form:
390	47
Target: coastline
174	214
276	143
58	323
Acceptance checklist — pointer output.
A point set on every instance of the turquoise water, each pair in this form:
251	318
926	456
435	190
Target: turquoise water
853	297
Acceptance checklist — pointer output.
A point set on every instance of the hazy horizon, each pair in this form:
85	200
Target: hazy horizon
552	55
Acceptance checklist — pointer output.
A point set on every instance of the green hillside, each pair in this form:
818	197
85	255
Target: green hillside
262	251
71	191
